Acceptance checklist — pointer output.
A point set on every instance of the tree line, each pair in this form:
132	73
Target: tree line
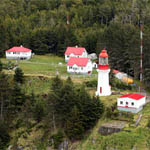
49	26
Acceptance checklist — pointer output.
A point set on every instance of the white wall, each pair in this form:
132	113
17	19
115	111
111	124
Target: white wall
103	83
137	103
16	55
80	70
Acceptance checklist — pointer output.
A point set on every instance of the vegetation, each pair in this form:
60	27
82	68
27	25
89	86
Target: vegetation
19	76
63	106
49	26
42	111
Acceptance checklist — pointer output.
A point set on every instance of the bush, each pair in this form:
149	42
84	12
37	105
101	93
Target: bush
148	124
9	65
120	85
92	83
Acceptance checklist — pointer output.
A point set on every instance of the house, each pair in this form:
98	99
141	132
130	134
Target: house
79	65
75	52
131	102
18	53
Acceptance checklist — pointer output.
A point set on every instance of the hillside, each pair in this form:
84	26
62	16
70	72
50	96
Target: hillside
34	132
42	107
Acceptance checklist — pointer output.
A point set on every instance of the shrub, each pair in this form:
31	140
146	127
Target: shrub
92	83
148	124
120	85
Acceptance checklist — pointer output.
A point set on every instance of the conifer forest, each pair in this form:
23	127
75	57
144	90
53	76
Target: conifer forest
49	26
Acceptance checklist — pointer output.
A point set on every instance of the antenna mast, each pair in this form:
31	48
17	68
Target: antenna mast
141	61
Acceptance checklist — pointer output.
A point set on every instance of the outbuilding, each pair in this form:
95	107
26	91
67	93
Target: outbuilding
75	52
79	65
18	53
131	102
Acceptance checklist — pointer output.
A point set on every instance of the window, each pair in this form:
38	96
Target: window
132	103
75	68
81	68
68	56
9	52
121	102
126	103
70	67
14	52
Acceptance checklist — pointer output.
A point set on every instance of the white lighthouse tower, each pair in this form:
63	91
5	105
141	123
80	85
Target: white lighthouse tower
103	87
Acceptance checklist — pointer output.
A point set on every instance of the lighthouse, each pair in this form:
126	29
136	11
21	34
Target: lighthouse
103	87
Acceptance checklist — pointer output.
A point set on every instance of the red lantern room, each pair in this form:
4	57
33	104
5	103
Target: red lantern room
103	60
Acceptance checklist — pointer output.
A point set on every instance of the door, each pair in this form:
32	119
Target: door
100	89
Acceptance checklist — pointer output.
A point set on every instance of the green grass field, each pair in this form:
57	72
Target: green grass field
46	66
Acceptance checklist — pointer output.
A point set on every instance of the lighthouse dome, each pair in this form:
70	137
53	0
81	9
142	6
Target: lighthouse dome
103	54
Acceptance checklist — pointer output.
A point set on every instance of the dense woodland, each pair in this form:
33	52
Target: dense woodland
49	26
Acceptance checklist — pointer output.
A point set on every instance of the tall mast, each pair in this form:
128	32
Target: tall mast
141	53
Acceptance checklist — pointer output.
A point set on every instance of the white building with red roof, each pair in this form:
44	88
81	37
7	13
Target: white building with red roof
103	87
18	53
79	65
75	52
131	102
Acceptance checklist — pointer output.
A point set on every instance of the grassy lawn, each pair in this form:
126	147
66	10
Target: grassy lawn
46	65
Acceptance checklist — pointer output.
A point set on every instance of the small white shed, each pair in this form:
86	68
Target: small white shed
131	102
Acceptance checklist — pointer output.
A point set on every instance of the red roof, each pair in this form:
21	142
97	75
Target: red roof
134	96
103	53
115	71
78	61
18	49
74	50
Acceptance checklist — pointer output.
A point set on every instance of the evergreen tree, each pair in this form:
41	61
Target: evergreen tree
66	101
74	128
19	76
56	85
5	94
39	110
91	108
4	135
17	100
1	66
